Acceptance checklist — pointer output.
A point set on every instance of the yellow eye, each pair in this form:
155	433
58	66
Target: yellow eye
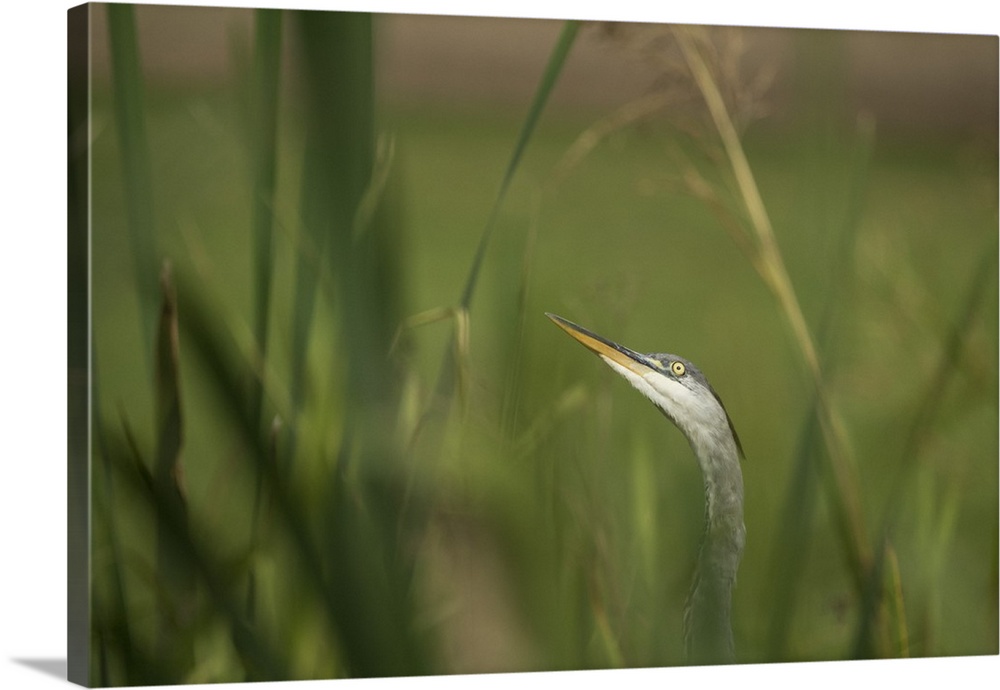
678	368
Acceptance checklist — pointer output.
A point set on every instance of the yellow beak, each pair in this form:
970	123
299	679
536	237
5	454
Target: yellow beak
607	349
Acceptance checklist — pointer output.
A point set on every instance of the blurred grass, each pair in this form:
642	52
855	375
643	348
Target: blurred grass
561	536
136	173
266	71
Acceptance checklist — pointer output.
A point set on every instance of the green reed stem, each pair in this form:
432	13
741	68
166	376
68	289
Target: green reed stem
771	268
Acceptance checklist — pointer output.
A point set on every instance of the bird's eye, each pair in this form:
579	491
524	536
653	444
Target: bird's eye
678	368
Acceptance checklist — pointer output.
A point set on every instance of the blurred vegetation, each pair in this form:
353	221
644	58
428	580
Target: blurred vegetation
340	439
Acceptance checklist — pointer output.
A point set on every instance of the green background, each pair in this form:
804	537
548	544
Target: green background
545	517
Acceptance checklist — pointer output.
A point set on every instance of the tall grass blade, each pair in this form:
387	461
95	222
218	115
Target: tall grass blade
337	48
546	85
338	214
800	503
454	363
514	387
371	591
845	493
897	609
129	105
104	611
945	370
549	78
140	664
315	219
920	430
355	569
174	570
266	73
938	522
344	201
259	659
629	114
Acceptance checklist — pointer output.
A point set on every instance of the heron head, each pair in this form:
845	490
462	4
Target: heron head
674	385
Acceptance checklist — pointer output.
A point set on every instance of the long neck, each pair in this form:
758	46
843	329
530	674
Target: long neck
707	620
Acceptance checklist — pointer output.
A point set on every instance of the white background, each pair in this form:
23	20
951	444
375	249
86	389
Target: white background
33	332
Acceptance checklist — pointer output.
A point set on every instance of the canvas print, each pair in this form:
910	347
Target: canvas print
329	278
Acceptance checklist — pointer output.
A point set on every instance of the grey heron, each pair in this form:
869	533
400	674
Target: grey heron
682	393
